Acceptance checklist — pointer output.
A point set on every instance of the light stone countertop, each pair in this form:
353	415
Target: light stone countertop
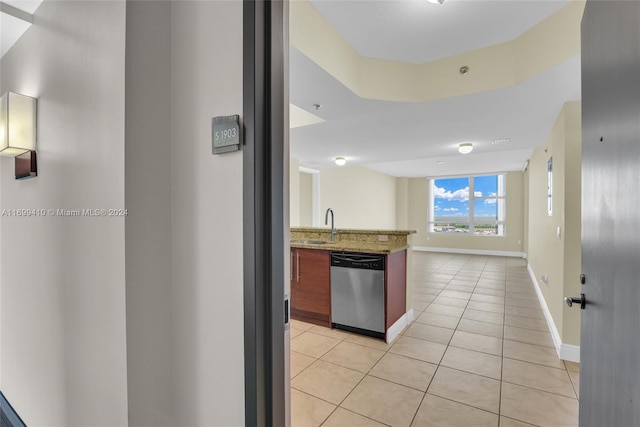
352	231
348	240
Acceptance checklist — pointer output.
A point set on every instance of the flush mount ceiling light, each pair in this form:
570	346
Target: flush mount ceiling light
465	148
341	161
18	132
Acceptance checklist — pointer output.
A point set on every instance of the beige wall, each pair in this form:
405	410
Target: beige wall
573	219
558	258
359	197
418	205
294	192
306	199
402	203
525	240
63	278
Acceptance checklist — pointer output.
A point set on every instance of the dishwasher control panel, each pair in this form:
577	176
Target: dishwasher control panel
358	260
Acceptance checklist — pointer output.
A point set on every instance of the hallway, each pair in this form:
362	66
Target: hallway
478	354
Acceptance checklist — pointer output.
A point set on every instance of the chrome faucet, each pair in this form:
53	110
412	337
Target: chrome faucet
334	232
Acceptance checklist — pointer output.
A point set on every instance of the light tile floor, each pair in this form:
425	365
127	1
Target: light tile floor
478	354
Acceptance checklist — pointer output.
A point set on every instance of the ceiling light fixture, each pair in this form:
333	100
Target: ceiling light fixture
341	161
465	148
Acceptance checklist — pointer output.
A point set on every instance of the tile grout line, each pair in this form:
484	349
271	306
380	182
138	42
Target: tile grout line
424	396
368	373
444	353
504	326
458	281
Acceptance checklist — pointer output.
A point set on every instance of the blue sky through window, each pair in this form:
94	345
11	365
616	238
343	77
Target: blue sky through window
451	197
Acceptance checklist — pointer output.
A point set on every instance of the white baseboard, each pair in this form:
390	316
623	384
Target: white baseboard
395	329
470	251
567	352
570	352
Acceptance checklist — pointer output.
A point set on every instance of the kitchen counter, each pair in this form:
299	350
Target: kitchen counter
311	278
367	247
352	231
352	240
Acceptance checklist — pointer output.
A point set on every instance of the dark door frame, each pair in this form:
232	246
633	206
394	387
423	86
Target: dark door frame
265	32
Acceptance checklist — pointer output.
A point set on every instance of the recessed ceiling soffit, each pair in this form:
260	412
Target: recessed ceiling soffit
549	43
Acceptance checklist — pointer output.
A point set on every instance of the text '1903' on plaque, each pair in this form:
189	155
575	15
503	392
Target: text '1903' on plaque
225	134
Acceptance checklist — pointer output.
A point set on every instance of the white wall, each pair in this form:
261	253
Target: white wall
148	225
63	339
359	197
63	278
207	216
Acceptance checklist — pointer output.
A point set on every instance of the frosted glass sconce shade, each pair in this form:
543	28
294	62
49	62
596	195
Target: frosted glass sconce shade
18	132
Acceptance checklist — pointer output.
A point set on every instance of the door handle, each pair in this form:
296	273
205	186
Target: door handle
297	266
574	300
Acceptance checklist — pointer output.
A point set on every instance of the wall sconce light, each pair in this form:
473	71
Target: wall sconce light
18	132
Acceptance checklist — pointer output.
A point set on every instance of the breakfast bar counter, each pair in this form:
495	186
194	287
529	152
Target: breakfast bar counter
325	292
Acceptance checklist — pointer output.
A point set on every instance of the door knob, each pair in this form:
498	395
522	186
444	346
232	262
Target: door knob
574	300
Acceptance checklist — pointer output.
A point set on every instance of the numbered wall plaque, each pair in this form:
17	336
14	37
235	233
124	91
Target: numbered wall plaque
225	134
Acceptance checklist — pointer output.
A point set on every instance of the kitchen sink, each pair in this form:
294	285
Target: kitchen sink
309	242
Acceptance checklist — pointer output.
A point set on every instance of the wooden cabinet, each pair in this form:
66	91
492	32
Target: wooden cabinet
311	286
395	287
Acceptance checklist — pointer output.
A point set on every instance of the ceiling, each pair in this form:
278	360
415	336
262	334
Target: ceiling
413	131
419	31
15	19
396	133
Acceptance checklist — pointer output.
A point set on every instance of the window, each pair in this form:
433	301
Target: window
469	205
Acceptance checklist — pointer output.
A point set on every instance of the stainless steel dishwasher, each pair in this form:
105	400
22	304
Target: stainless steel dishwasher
357	292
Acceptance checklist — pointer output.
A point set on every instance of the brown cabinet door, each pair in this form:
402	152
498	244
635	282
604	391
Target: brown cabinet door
396	287
310	286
